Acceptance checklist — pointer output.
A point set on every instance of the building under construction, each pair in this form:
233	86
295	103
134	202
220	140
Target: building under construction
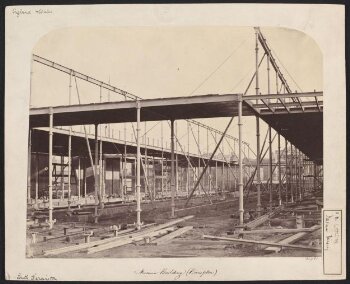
94	189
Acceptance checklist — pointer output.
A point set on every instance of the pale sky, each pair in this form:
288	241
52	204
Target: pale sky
155	62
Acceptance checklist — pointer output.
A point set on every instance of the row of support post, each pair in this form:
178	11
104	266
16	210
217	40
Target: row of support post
296	191
293	161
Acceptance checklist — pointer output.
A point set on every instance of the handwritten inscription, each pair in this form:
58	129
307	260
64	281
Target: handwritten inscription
35	277
332	229
332	246
178	274
18	12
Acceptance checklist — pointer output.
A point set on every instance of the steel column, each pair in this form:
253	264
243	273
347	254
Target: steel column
69	166
172	174
124	165
96	173
29	180
84	177
287	169
270	132
222	177
176	165
315	174
291	174
216	176
37	180
51	221
70	147
240	181
138	168
79	177
279	171
258	180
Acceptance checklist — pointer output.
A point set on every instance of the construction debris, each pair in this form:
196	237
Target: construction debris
278	231
281	245
105	241
172	235
292	239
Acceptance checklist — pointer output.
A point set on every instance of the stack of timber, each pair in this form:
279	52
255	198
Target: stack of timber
262	219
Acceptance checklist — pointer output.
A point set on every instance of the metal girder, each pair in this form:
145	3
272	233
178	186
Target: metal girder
159	102
277	96
215	130
267	50
79	75
318	103
268	105
282	111
289	104
284	104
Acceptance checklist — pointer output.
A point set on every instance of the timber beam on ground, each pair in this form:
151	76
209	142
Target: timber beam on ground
277	231
245	241
262	219
293	238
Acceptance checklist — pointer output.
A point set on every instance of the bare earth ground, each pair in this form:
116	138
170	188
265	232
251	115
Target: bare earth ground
211	220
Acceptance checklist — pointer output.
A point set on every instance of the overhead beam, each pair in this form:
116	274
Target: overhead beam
82	76
159	102
285	96
289	104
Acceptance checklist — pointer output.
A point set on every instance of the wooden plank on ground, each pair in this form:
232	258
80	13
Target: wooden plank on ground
200	242
262	219
168	237
292	239
262	243
126	241
99	242
281	231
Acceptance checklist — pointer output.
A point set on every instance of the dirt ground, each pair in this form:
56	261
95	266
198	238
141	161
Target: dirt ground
209	220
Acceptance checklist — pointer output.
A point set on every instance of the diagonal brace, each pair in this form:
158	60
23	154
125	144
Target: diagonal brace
211	158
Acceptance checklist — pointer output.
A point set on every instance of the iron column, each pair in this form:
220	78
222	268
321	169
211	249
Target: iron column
270	168
279	171
172	177
69	147
96	173
240	181
50	167
258	180
287	169
138	168
29	180
291	174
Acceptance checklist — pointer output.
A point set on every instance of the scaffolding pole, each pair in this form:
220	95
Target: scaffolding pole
291	180
138	168
287	169
70	147
96	174
172	172
279	171
29	180
240	181
258	180
51	221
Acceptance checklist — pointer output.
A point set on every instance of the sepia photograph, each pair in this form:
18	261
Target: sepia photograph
231	168
174	143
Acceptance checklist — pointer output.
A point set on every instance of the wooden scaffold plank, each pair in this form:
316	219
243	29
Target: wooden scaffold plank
168	237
